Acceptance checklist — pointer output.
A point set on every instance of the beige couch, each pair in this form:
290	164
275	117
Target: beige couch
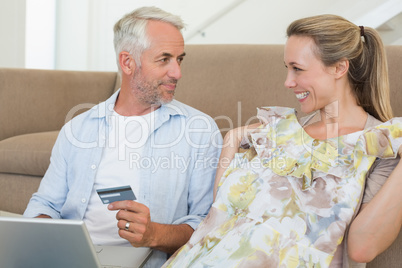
227	82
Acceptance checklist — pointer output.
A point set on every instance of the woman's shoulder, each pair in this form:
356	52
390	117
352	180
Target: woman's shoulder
372	121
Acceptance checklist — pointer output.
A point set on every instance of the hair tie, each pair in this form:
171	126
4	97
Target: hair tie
361	30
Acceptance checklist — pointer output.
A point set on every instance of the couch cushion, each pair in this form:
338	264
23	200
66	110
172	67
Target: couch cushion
33	100
27	154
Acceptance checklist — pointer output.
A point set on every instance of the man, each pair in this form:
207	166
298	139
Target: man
165	150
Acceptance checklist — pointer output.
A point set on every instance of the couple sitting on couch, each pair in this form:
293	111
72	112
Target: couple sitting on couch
292	186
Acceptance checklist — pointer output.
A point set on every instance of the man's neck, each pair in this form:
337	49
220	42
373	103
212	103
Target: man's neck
128	105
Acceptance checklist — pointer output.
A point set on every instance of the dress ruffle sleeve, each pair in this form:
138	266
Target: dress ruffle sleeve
339	156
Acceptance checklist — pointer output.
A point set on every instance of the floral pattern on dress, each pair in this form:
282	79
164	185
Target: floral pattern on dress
288	199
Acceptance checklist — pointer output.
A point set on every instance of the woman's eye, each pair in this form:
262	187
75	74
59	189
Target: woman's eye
294	68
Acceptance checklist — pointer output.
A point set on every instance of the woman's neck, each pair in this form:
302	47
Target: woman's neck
337	120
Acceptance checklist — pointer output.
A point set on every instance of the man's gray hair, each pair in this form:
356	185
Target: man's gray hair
130	33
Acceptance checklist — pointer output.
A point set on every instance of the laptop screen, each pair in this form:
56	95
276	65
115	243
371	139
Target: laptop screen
37	242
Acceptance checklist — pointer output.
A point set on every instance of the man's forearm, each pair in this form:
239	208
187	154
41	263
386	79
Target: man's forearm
168	237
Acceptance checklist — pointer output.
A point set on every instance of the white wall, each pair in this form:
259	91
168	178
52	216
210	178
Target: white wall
12	33
208	22
40	34
72	36
265	22
84	28
85	32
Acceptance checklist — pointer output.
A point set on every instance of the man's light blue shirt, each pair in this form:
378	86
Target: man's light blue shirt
177	168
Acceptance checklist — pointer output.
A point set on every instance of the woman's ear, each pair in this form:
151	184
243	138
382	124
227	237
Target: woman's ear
341	68
127	63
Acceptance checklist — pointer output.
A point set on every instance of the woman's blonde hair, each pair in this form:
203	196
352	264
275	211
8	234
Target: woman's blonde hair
337	38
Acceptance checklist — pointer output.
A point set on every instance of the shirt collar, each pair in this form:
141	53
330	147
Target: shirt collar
105	109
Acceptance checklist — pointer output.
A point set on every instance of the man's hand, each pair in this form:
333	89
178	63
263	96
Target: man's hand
43	216
135	225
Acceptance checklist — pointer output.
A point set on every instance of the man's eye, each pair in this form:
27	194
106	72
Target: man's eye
180	60
164	60
297	69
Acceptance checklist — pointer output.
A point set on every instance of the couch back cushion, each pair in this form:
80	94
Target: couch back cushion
229	82
394	57
42	100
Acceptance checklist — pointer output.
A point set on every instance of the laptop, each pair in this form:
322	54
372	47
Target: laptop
36	242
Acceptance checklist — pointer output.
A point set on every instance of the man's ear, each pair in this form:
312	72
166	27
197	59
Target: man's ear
127	63
341	68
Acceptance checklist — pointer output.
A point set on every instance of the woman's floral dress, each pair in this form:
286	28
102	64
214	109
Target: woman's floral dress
288	199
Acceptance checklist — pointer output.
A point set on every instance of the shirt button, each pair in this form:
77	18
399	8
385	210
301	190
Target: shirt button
83	200
93	166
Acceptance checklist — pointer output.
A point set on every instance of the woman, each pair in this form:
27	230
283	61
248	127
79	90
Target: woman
289	195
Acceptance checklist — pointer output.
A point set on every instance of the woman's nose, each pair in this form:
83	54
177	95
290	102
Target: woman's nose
290	81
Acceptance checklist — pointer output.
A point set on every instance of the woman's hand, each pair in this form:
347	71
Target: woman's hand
231	143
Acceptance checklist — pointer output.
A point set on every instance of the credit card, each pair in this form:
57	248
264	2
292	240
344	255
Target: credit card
109	195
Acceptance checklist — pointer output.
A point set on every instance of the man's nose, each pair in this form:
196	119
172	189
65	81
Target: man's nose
174	70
